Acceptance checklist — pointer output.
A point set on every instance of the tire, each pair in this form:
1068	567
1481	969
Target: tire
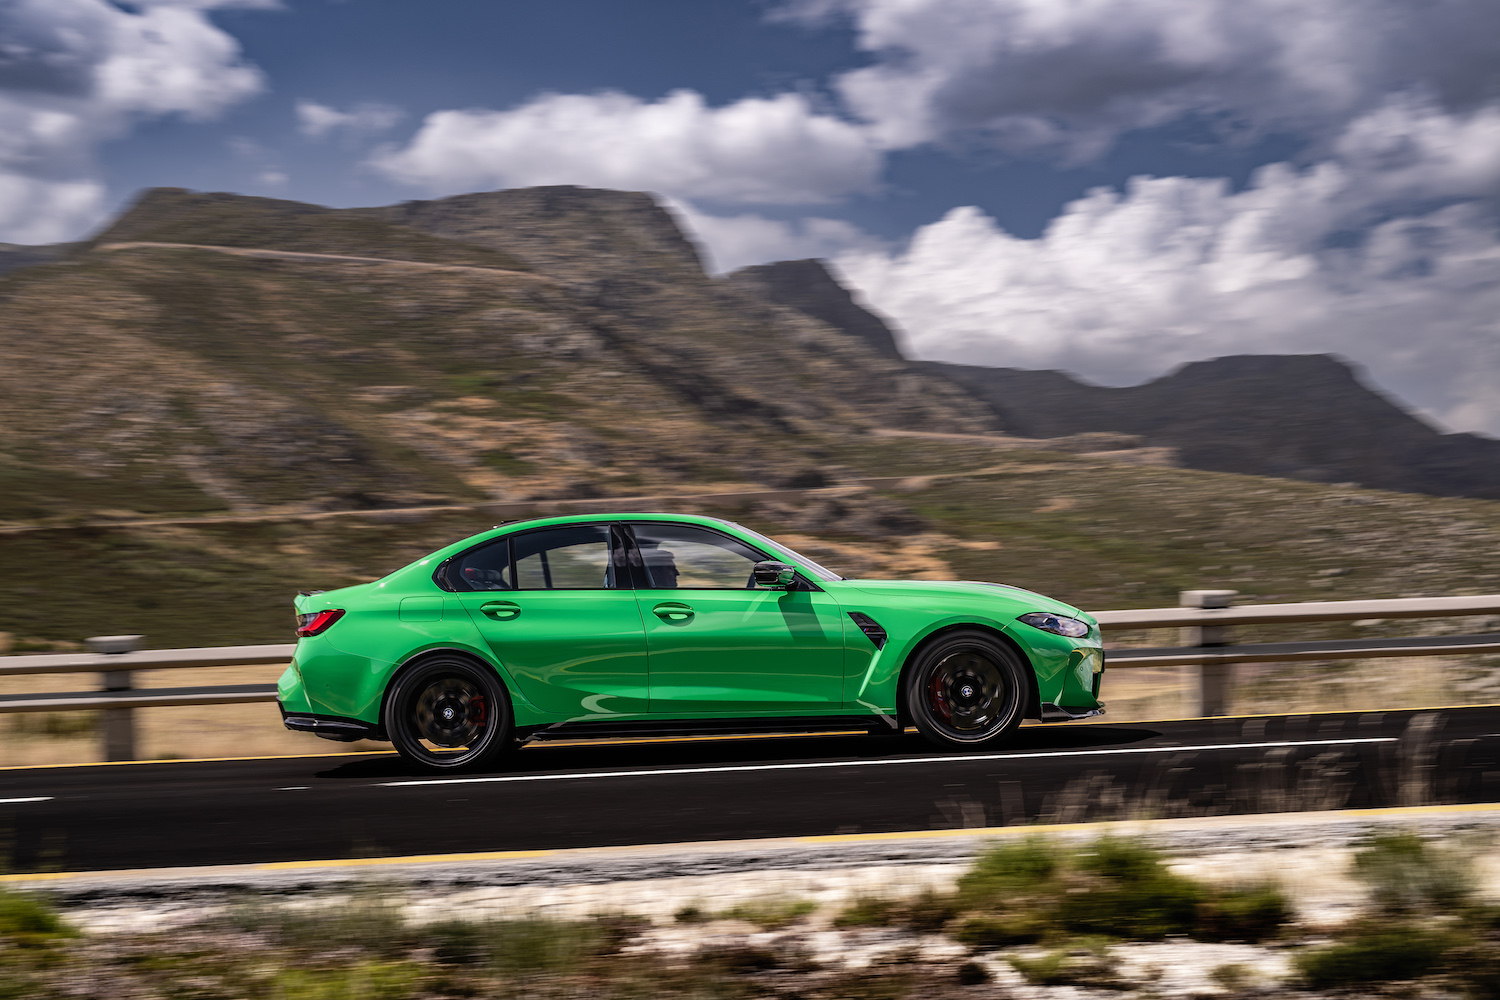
447	713
966	689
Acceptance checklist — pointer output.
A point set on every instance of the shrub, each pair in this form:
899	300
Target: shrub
28	920
771	914
1115	887
1080	965
1011	872
867	911
1374	955
986	932
1406	875
1250	913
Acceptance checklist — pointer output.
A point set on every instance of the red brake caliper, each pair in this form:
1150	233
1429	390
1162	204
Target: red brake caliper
937	697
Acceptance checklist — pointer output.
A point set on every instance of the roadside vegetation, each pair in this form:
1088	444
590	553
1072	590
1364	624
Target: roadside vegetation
1035	912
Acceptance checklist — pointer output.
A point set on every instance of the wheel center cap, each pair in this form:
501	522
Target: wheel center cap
448	713
966	691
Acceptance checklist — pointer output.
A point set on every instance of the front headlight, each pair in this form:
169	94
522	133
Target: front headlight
1056	624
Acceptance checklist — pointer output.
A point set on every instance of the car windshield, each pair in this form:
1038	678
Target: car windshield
821	572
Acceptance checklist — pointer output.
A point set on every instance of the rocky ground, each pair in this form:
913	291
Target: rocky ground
943	915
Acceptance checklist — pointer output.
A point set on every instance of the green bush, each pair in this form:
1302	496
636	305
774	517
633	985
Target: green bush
867	911
1374	955
1114	887
357	981
27	920
1407	875
1253	914
1011	872
771	914
1081	964
1125	890
986	932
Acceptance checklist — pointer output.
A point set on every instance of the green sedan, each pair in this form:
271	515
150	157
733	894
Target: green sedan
657	624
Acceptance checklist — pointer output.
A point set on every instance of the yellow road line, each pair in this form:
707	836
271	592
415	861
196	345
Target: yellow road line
1258	819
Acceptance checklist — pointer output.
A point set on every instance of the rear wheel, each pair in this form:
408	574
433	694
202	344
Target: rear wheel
966	689
448	712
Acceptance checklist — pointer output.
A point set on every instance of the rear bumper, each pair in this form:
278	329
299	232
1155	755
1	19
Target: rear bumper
330	727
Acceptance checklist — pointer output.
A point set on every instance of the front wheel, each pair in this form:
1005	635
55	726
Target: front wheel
448	713
966	689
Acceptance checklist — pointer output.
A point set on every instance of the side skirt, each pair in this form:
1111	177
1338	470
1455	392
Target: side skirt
701	727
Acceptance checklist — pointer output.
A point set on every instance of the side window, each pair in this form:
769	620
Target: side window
569	558
679	556
484	568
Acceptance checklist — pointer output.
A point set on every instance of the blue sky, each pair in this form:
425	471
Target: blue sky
1106	186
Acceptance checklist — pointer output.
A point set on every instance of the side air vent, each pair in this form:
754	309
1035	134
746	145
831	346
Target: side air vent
870	627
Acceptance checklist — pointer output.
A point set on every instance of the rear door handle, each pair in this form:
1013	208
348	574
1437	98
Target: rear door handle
503	610
673	612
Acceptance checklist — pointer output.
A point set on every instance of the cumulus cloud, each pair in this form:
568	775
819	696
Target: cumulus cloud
777	150
74	73
318	120
1039	73
1388	252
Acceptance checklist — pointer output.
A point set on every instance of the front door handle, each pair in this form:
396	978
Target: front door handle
673	612
502	610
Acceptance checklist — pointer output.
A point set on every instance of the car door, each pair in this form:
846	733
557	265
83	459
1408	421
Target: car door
547	603
717	644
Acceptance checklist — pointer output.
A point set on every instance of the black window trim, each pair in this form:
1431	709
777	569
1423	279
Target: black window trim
623	552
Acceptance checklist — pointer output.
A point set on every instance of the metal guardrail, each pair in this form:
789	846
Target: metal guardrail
1204	617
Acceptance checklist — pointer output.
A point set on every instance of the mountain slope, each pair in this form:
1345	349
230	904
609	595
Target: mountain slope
1300	417
575	347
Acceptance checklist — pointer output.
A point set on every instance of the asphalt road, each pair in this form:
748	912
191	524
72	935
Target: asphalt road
623	793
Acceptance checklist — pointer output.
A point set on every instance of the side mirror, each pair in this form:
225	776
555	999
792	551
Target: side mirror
776	575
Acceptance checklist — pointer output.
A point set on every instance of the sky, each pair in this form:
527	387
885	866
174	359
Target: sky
1110	187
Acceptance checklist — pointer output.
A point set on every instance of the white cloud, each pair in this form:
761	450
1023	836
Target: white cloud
735	241
317	120
1366	254
1074	75
75	73
758	150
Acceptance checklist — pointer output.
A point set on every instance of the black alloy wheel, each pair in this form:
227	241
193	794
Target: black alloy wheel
448	712
966	689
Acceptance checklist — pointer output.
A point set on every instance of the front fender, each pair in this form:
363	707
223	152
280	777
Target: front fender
877	687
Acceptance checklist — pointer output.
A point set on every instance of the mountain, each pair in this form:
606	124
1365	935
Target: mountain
806	285
1309	417
1306	417
220	352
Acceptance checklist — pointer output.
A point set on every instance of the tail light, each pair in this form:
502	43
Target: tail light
317	622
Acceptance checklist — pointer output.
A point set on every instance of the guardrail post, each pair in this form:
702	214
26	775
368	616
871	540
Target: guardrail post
1213	678
119	723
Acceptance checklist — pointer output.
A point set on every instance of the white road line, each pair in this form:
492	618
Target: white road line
33	798
882	762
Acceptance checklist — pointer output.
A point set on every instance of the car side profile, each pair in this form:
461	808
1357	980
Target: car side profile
606	624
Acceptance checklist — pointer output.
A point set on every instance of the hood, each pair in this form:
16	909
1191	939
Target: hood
1025	600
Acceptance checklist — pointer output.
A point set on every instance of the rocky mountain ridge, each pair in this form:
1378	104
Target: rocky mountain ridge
1310	417
540	342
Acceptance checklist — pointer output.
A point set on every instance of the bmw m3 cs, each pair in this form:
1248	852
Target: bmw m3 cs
653	623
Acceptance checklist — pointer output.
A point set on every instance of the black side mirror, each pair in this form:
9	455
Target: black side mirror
775	575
